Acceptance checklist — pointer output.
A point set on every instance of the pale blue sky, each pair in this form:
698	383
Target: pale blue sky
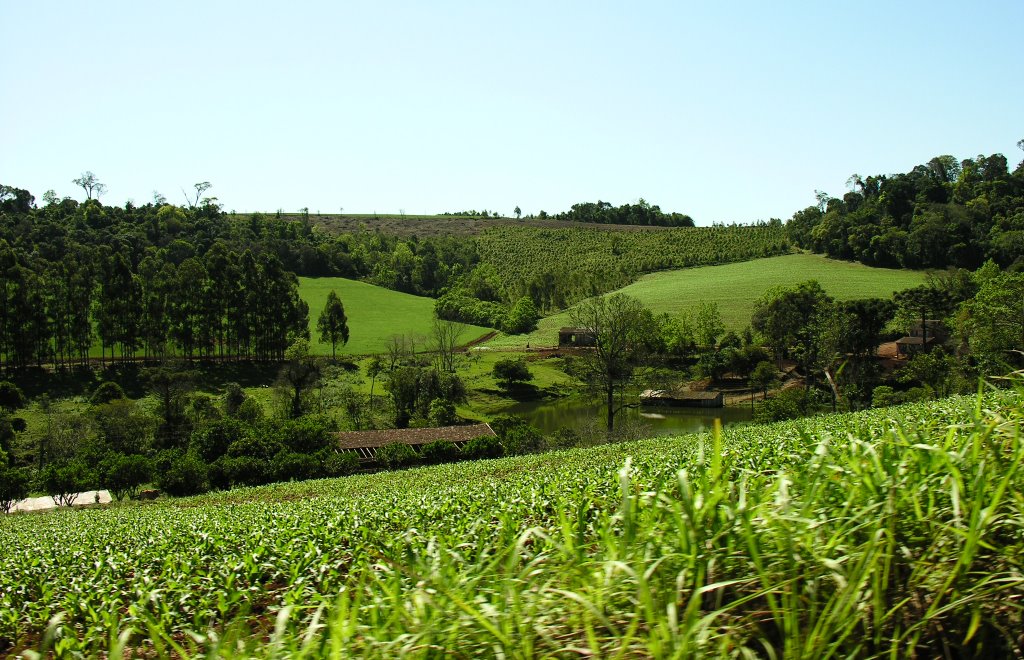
726	111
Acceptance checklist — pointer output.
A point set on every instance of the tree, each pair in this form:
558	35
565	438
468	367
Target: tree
762	378
374	369
446	335
708	324
200	188
623	331
14	487
299	374
993	322
333	324
511	371
125	475
90	184
519	213
11	396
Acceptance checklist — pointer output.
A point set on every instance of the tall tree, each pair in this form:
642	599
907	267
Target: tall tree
333	324
90	184
623	331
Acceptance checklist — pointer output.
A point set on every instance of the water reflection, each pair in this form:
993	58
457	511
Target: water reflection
581	415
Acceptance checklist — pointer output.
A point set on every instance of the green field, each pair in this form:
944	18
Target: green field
735	288
374	314
766	541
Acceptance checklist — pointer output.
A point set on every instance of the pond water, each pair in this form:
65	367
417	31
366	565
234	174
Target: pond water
583	415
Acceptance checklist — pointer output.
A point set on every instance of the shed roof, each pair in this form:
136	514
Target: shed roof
374	439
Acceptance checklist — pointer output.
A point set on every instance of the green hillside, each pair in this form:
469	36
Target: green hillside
767	541
374	314
735	287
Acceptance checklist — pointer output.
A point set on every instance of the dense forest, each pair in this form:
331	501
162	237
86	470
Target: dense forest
641	213
945	213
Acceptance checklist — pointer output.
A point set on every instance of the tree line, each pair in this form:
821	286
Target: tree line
221	305
944	213
641	213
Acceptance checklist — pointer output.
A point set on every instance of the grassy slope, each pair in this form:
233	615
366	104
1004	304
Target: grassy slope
772	539
374	314
735	288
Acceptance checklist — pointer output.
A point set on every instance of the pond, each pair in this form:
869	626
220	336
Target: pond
583	414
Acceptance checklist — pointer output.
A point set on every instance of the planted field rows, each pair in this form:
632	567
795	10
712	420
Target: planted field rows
891	532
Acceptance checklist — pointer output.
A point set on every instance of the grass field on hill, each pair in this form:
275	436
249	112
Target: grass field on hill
735	287
374	314
888	533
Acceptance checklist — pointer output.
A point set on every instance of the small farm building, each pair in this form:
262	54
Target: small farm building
922	338
576	337
366	443
682	399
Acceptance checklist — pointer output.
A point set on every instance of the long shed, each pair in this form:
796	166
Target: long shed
366	443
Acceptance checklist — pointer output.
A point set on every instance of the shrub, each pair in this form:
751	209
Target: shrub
442	413
106	392
564	438
64	482
186	475
11	396
247	470
338	463
485	446
234	397
259	443
306	435
124	475
511	371
213	441
293	466
250	411
787	405
14	487
440	451
396	454
522	439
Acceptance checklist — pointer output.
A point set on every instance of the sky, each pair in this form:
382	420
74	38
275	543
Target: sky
726	111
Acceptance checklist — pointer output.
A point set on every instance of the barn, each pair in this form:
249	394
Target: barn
366	443
576	337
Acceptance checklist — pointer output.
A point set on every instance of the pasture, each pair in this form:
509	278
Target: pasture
735	287
374	315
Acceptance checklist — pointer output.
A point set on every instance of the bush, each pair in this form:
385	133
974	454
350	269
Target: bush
64	482
306	435
485	446
260	443
187	474
124	475
522	439
234	397
213	441
396	454
11	396
338	463
511	371
250	411
106	392
440	451
564	438
293	466
787	405
442	413
247	470
14	487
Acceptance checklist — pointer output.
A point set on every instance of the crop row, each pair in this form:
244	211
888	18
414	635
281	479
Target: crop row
891	531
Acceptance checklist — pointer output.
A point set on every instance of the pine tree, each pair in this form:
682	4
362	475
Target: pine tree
333	324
